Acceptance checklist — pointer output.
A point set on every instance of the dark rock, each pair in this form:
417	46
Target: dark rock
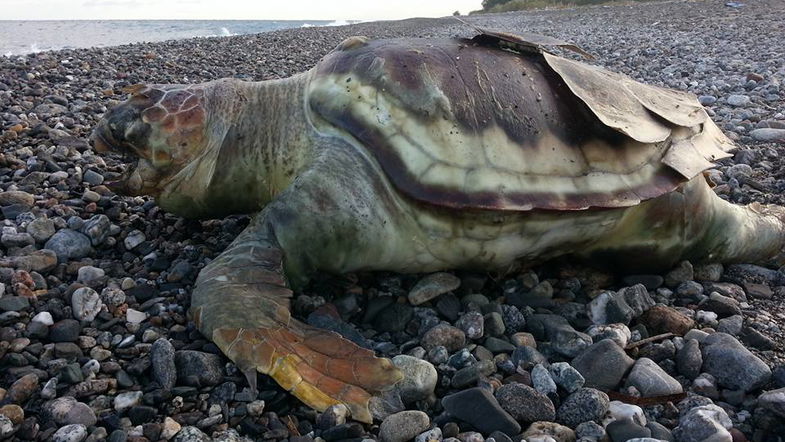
689	359
472	324
527	357
659	431
754	338
468	376
65	330
71	374
143	292
732	364
67	350
525	404
721	305
204	368
625	429
445	335
637	298
496	345
650	282
162	358
449	306
140	414
586	404
69	244
494	324
683	272
394	318
514	321
479	408
603	365
14	303
759	291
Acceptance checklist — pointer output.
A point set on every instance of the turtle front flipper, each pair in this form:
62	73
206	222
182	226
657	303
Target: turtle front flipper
241	301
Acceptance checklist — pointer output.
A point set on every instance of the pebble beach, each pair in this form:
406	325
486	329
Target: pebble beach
95	343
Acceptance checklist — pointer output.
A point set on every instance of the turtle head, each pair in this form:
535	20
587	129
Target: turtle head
162	128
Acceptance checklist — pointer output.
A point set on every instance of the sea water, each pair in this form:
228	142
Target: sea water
28	36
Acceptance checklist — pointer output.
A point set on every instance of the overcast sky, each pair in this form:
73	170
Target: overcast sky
232	9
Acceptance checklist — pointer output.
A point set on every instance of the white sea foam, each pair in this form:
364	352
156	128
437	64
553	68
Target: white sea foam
332	23
226	33
339	23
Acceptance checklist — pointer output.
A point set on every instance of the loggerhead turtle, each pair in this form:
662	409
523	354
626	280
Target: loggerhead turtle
417	155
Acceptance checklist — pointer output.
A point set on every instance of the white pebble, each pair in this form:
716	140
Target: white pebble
44	318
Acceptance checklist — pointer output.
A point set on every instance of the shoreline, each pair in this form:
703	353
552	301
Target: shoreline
137	370
333	23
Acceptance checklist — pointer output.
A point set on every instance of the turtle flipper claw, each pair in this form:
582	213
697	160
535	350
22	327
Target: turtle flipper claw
319	367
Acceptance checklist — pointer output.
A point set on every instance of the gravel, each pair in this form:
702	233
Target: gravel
94	288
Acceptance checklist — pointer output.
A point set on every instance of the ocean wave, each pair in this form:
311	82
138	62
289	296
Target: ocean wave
32	49
226	33
341	22
332	23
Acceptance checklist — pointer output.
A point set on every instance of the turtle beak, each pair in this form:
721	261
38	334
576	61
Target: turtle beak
103	141
99	139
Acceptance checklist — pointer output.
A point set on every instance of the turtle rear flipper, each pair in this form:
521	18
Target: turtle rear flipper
241	302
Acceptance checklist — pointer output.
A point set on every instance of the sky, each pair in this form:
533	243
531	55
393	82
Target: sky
232	9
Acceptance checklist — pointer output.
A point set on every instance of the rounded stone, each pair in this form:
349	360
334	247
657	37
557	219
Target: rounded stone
547	431
199	367
65	330
524	403
86	304
651	380
472	324
419	378
689	359
403	426
70	433
734	367
162	360
450	337
88	275
67	410
41	229
706	422
603	365
566	376
586	404
69	244
13	412
432	286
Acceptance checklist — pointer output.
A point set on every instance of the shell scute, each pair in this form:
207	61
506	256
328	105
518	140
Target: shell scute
474	124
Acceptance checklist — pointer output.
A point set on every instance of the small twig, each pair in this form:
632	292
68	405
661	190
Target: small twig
637	344
289	422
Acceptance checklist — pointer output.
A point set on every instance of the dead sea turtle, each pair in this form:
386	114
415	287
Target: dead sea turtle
416	155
